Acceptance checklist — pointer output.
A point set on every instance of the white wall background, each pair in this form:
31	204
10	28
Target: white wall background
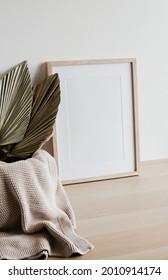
43	30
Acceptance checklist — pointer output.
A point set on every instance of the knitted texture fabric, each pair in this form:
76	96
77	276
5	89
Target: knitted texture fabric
36	218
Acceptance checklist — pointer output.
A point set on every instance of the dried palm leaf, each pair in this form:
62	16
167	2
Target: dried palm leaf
15	104
46	99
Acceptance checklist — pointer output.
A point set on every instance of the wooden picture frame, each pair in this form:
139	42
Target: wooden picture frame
96	133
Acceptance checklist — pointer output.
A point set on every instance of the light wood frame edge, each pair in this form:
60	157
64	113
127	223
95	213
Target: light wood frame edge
132	61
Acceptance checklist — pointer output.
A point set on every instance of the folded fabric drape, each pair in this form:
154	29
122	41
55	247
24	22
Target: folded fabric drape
36	218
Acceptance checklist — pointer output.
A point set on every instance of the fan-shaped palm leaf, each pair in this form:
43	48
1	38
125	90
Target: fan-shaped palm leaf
46	99
15	104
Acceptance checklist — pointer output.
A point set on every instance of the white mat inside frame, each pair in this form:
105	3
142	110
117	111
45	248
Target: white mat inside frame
96	131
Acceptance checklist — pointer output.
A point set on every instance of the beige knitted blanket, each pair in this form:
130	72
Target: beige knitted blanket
36	218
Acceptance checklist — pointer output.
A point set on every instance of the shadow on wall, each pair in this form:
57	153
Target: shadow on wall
41	74
48	147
